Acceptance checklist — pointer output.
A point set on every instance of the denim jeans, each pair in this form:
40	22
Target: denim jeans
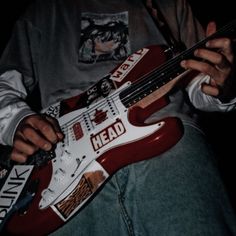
177	193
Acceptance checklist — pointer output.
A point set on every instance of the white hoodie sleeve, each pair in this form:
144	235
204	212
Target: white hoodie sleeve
13	108
206	102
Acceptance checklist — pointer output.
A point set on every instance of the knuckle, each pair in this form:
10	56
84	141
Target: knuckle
17	143
38	141
227	43
24	147
43	125
188	63
27	132
198	52
45	146
219	58
18	157
30	150
205	67
45	128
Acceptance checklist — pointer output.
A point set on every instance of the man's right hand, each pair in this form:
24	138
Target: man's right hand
33	133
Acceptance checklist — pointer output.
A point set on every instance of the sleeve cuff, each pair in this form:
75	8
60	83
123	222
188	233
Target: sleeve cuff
206	102
9	130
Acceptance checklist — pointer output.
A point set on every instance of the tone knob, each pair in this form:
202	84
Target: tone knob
47	197
60	175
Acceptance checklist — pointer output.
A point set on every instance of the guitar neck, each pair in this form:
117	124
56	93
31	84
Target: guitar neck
168	71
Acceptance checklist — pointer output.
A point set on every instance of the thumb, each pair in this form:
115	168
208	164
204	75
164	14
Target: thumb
211	28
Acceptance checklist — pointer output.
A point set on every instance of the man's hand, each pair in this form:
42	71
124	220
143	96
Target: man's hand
33	133
217	62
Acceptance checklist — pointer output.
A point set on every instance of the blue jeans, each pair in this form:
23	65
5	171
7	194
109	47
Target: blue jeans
177	193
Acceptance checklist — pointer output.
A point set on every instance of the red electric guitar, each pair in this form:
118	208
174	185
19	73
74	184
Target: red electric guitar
105	130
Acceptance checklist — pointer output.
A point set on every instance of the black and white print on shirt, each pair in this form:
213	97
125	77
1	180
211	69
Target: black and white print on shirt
104	37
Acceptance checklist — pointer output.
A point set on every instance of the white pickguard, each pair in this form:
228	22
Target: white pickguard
75	154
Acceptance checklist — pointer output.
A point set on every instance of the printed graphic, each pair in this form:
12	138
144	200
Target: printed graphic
13	187
88	184
104	37
107	135
120	73
100	90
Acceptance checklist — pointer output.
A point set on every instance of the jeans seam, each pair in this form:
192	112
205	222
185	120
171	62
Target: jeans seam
124	213
125	216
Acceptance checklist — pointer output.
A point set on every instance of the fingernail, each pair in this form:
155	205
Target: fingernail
183	63
60	135
47	146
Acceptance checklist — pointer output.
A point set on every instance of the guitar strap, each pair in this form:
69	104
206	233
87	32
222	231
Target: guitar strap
161	23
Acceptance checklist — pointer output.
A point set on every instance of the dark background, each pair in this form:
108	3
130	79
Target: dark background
220	128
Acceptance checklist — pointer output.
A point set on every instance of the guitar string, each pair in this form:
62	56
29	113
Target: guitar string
103	103
168	66
145	82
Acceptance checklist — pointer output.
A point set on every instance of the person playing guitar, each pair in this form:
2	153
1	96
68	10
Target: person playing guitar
115	147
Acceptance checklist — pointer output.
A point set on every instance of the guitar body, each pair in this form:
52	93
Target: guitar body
105	130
